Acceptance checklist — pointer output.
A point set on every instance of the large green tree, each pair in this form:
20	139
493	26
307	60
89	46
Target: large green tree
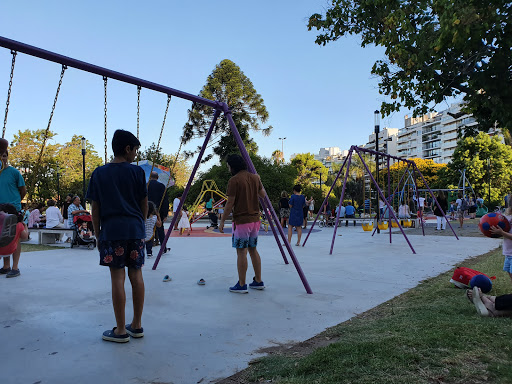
435	49
308	169
227	83
485	159
63	159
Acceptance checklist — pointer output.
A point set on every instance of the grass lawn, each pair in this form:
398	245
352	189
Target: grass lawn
430	334
37	247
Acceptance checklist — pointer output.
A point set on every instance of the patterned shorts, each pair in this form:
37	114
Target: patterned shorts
246	235
284	213
122	253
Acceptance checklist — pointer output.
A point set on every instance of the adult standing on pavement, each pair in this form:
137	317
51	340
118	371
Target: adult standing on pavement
175	204
12	190
244	188
443	203
156	191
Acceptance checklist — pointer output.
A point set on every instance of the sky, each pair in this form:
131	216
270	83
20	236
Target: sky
316	96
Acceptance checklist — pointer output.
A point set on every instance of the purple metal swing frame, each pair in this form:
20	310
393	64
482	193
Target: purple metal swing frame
347	162
217	105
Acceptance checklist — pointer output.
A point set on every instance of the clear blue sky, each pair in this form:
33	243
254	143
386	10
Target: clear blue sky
316	96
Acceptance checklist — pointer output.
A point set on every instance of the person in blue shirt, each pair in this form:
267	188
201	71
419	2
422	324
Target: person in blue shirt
297	203
119	207
350	211
12	190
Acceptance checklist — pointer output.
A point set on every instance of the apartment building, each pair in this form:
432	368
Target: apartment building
434	135
388	141
331	155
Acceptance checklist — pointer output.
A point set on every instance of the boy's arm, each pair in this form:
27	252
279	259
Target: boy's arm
95	213
144	207
158	220
227	210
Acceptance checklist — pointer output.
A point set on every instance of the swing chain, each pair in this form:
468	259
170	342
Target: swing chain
163	123
55	100
105	79
138	108
14	53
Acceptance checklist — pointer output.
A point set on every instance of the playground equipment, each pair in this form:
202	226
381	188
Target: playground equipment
410	164
217	106
209	186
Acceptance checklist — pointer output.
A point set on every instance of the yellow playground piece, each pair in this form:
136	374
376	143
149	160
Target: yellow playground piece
209	186
406	223
394	224
367	226
383	225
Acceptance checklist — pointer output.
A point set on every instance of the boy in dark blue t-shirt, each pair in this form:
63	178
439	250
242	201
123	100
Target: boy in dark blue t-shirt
119	207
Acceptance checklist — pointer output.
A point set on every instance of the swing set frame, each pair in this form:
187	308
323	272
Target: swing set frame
219	107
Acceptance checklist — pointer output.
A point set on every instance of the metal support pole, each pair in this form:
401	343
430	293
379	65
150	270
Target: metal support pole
377	130
389	196
327	197
383	197
341	202
187	188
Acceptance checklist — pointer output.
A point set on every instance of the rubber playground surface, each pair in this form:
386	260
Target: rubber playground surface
53	315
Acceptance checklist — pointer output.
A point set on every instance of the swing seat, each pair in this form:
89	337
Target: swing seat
406	223
394	224
367	227
383	225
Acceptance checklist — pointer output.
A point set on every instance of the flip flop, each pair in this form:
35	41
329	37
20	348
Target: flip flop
166	279
201	282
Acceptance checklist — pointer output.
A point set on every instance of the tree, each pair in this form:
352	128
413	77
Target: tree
429	169
435	49
308	168
41	178
277	157
472	154
228	84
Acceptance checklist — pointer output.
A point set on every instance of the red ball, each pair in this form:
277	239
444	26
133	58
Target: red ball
493	220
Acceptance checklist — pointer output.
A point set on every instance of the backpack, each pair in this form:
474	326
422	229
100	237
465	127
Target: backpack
464	205
8	224
462	276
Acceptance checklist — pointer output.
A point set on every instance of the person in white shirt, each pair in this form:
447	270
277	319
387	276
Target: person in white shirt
54	218
421	206
175	204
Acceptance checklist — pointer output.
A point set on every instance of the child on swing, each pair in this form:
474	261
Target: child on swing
184	222
10	241
152	221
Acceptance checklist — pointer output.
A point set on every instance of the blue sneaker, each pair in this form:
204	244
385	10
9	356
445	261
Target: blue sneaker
256	285
237	288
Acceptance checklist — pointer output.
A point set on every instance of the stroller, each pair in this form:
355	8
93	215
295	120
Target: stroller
77	240
213	220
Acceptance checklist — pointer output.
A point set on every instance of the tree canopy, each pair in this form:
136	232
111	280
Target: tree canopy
485	159
227	83
41	179
308	168
435	49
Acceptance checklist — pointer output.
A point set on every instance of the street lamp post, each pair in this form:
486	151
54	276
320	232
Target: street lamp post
83	166
282	146
377	130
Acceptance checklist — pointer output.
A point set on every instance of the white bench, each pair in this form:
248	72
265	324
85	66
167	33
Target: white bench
49	235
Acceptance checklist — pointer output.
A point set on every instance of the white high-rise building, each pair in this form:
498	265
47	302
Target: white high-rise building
388	141
434	135
331	155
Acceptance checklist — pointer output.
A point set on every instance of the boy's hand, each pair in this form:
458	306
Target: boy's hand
495	230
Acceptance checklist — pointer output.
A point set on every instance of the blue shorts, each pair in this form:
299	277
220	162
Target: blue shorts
122	253
246	235
507	266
